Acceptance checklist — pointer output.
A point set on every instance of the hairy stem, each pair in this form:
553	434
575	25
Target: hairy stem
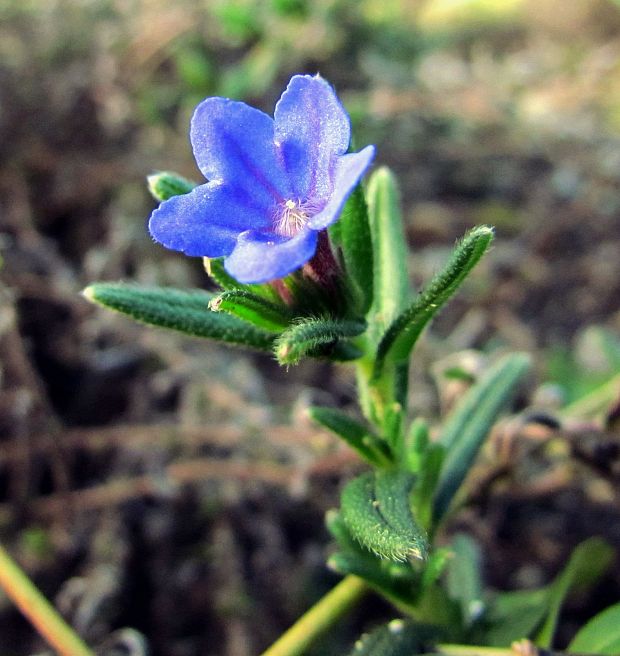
324	614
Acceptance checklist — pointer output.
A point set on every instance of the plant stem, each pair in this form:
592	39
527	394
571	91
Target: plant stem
472	650
41	614
319	618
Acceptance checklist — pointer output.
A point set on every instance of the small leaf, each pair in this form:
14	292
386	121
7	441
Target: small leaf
463	578
356	245
165	184
389	252
356	435
601	635
587	564
183	311
397	638
375	508
250	307
316	337
403	333
469	424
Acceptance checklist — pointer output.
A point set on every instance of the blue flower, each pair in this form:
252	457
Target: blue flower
273	184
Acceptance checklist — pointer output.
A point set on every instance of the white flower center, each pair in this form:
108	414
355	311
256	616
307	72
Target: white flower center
291	217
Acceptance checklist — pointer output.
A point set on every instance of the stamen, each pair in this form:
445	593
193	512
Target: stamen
291	218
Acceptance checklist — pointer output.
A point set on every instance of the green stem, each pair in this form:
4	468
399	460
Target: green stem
472	650
41	614
324	614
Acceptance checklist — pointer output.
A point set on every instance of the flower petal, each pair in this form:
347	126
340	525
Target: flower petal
206	221
259	257
235	142
349	170
312	128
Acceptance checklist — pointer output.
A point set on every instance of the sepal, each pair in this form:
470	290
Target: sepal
351	233
253	308
318	337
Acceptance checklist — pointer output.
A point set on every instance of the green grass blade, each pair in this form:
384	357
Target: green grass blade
601	635
587	564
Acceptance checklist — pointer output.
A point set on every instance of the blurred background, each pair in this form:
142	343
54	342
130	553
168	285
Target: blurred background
152	481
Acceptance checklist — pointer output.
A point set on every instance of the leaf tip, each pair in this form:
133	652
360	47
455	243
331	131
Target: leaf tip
90	294
215	304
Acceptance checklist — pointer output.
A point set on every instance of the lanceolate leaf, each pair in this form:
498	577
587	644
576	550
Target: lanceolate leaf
390	280
356	435
184	311
469	424
601	635
252	308
401	336
375	508
356	245
316	337
165	185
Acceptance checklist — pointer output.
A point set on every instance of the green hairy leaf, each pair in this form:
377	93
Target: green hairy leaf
397	638
601	635
250	307
184	311
469	424
389	246
403	333
318	337
376	510
359	437
165	185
